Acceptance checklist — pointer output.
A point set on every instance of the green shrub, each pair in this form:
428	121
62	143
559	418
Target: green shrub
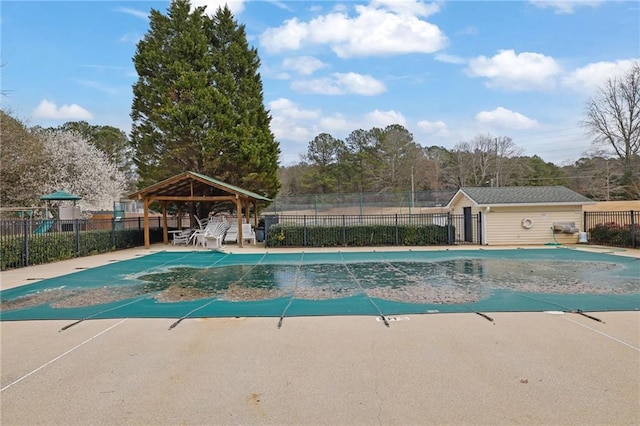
280	235
611	234
55	246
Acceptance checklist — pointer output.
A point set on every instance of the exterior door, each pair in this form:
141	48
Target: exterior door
468	224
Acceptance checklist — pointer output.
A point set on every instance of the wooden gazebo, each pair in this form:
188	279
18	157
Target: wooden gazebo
191	187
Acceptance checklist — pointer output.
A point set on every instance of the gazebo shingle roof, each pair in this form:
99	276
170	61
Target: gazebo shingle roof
191	184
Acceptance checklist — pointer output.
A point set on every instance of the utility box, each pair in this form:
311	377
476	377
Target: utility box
68	217
69	212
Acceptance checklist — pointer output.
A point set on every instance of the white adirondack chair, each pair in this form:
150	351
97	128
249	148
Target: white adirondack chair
213	238
181	237
248	234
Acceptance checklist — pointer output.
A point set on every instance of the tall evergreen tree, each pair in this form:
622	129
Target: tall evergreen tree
198	102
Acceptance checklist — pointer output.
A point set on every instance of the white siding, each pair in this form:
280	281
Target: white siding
504	224
457	208
462	202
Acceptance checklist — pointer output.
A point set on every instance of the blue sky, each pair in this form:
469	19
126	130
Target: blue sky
447	71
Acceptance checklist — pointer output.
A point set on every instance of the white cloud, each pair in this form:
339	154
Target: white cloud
281	76
380	28
289	121
305	65
379	118
98	86
565	6
408	7
134	12
336	123
340	84
280	4
235	6
437	128
504	118
593	76
285	107
523	71
450	59
133	38
470	30
50	110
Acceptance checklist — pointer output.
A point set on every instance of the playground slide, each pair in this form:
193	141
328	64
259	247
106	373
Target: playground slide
44	227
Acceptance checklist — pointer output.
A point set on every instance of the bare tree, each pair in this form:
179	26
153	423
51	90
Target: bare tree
613	117
481	162
398	158
437	158
507	154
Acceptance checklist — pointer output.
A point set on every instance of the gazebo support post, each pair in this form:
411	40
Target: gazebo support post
255	214
179	216
192	215
165	231
147	240
247	211
239	210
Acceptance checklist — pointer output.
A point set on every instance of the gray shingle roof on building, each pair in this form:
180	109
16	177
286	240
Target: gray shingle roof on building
525	195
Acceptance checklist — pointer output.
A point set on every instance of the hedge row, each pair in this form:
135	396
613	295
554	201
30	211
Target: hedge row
52	247
613	234
281	235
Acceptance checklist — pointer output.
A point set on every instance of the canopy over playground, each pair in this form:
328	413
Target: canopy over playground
60	196
192	187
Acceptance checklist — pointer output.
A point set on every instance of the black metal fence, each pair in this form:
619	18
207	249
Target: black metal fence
372	230
616	228
25	242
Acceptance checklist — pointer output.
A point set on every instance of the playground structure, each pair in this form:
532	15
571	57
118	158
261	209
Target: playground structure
45	217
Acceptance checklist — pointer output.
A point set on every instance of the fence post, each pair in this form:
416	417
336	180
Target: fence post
76	229
25	253
396	237
344	230
113	231
449	230
634	234
304	230
479	228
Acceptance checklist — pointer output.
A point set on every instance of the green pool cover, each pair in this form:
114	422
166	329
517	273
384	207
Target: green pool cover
214	284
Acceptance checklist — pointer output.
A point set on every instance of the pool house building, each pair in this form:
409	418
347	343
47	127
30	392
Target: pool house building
527	215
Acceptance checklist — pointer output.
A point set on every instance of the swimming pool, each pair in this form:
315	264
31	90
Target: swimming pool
380	283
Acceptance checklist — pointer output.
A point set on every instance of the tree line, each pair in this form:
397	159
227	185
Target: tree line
390	160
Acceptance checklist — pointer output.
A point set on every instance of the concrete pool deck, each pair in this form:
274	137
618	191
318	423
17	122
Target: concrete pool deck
523	368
